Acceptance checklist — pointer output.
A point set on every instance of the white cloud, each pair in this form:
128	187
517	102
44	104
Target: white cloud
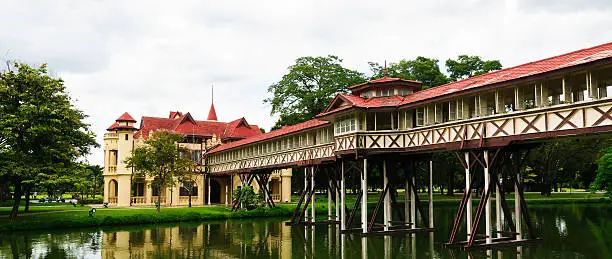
150	57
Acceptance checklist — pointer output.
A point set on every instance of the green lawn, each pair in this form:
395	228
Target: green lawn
68	217
560	197
60	215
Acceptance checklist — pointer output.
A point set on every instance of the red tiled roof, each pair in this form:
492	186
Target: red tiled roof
571	59
125	117
212	114
174	114
116	126
185	124
273	134
384	80
240	128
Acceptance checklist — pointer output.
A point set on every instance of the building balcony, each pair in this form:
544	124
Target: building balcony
184	200
110	136
138	200
111	169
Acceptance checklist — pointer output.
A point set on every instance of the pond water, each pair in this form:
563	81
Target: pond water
568	231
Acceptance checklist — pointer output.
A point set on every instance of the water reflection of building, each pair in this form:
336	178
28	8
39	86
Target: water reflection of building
123	189
224	240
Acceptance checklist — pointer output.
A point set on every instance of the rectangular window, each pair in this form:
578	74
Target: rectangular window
452	110
404	91
420	116
384	92
383	120
345	124
439	109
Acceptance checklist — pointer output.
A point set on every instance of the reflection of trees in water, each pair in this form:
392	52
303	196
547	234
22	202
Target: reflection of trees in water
49	245
578	228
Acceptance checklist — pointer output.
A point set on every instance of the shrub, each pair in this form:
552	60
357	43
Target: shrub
248	198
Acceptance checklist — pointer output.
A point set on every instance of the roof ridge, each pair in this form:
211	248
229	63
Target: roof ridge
522	65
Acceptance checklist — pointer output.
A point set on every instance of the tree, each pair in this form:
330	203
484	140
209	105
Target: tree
603	180
160	158
422	69
188	179
468	66
40	130
308	87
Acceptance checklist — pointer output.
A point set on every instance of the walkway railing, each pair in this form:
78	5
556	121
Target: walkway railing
138	200
184	200
112	200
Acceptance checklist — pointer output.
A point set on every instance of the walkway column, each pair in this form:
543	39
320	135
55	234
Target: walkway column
498	210
364	198
407	198
413	200
306	190
337	203
312	189
387	201
468	178
342	199
517	205
226	193
208	198
431	219
487	178
329	199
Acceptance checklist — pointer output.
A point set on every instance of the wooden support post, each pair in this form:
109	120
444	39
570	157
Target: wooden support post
329	199
431	219
517	204
407	198
306	189
312	189
364	198
387	201
337	204
487	183
208	202
498	209
342	197
468	217
413	198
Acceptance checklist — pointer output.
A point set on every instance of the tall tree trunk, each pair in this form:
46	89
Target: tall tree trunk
190	197
16	200
158	202
451	184
27	199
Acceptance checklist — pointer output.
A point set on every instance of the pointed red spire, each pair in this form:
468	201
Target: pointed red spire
126	117
212	114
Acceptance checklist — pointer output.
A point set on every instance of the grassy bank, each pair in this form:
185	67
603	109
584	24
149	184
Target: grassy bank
71	217
45	216
530	198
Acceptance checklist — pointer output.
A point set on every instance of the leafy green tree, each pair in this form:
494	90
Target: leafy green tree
41	132
308	87
468	66
603	180
160	158
425	70
188	179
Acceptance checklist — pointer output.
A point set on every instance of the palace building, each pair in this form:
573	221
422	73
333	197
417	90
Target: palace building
394	126
123	188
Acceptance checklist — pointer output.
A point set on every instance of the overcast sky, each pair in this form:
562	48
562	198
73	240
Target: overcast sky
150	57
